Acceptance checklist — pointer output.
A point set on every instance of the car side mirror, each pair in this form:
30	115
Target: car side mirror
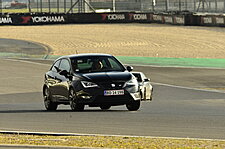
146	80
64	73
130	68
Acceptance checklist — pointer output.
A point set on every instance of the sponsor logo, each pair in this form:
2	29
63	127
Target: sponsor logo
219	20
168	19
5	20
113	16
43	19
138	16
207	20
26	19
48	19
157	18
179	20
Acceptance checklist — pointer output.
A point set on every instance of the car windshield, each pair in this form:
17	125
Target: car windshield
138	76
89	64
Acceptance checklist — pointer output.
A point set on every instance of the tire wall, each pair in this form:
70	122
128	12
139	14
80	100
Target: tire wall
62	18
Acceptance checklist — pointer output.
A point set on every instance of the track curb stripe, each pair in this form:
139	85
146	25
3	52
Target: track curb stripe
104	135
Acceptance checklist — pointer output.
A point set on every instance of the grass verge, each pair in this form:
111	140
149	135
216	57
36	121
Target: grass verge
110	142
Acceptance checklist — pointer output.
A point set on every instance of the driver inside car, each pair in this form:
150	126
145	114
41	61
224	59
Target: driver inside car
97	65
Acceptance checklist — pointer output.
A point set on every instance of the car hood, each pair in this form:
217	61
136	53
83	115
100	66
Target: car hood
108	76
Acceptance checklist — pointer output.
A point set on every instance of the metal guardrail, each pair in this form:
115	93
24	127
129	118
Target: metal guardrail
86	6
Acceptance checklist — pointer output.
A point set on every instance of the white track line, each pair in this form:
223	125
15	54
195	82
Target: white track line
24	61
189	88
176	66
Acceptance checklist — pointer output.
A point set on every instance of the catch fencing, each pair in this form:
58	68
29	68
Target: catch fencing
88	6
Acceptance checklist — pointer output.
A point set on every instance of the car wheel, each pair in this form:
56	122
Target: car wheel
49	104
73	104
133	106
105	107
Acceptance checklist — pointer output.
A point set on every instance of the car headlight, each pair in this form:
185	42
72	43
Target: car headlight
87	84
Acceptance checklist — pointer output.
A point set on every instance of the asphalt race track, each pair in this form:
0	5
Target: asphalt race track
174	112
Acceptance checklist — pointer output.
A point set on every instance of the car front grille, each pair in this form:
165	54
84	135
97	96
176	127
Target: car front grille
112	85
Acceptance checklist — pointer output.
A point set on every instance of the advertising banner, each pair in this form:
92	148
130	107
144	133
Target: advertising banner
140	17
37	19
179	20
6	20
126	17
157	18
219	20
206	20
167	19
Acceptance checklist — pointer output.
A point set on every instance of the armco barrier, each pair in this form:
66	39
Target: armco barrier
127	17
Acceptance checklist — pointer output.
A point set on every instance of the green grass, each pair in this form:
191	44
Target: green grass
111	142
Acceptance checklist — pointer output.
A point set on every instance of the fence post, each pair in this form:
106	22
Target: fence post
37	6
65	6
114	5
166	4
71	5
41	5
186	5
179	5
224	6
194	5
1	6
58	6
49	6
153	5
29	9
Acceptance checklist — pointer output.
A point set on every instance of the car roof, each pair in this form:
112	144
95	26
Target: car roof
83	55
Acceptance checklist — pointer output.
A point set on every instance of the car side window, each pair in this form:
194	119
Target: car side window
114	64
55	66
65	65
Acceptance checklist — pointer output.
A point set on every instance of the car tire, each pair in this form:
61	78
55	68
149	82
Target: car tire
49	104
105	107
133	106
73	104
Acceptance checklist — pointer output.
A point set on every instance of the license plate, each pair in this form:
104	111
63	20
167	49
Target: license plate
113	92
